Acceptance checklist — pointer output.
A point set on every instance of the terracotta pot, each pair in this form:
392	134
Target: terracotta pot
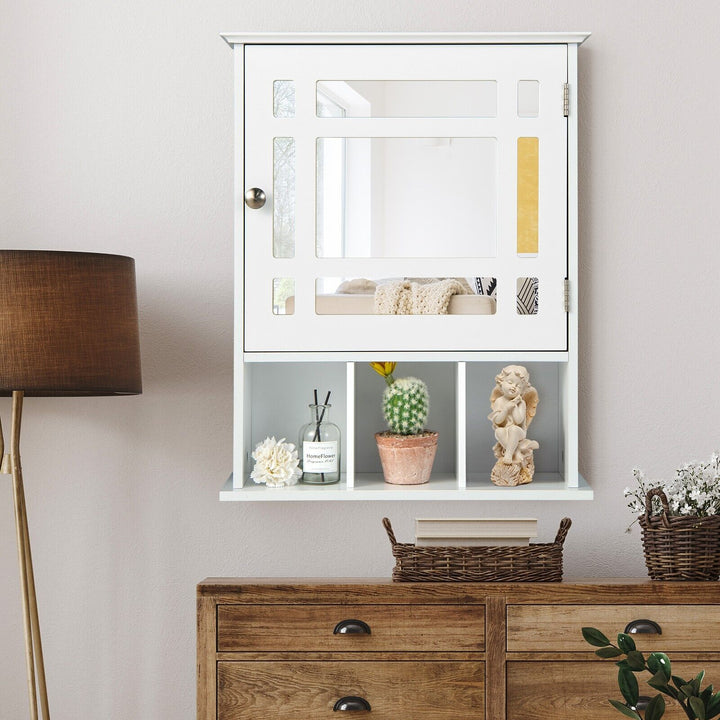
407	459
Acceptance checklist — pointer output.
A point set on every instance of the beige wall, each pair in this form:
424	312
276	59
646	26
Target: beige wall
115	135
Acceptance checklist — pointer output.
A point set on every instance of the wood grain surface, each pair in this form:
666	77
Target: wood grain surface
454	628
505	651
541	627
554	690
309	690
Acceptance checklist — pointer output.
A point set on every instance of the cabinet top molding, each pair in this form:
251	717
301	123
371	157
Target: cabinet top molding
480	38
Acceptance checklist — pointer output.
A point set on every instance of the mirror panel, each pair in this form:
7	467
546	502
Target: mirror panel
407	98
528	98
405	296
283	296
284	197
284	99
396	197
528	153
528	291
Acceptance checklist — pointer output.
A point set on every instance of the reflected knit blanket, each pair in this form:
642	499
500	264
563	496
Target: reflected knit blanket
404	297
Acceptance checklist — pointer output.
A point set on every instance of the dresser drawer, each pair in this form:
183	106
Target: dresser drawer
580	690
310	690
557	628
311	628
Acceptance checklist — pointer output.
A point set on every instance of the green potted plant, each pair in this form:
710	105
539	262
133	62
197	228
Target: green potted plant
697	703
407	450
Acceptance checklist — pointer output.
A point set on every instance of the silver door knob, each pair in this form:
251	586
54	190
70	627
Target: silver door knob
255	198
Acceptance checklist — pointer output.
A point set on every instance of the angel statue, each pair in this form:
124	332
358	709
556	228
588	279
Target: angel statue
513	402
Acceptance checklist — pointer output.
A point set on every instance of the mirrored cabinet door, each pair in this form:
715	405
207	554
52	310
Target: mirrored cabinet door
405	198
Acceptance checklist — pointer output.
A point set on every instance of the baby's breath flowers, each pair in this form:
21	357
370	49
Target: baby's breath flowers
693	490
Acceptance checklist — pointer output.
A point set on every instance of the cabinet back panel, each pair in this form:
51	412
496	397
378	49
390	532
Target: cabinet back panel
281	393
545	428
440	379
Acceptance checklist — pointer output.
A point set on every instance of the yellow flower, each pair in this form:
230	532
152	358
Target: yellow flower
385	369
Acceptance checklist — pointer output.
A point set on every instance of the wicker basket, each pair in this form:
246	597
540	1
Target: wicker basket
679	547
541	562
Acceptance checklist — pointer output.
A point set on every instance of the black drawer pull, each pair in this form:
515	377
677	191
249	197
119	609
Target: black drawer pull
351	627
352	703
646	627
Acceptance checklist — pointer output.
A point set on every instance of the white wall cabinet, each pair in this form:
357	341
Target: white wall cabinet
383	158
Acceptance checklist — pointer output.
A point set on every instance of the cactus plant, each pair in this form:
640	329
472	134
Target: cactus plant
405	406
405	401
407	450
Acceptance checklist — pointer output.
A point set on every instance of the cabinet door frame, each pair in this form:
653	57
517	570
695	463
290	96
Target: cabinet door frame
506	330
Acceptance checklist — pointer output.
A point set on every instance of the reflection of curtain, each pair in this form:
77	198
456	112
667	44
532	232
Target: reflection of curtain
486	286
527	296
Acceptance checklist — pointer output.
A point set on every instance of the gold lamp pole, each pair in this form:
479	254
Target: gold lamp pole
68	327
35	664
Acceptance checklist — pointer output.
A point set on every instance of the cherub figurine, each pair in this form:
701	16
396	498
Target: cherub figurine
513	402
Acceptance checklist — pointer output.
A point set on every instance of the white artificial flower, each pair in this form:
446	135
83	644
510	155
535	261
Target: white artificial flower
276	463
693	490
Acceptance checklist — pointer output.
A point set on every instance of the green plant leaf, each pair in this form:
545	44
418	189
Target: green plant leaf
635	660
608	652
628	686
624	709
625	643
659	660
688	690
712	707
700	677
678	681
659	682
594	637
655	709
653	663
698	707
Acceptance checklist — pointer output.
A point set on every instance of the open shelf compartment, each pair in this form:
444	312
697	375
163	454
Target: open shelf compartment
277	395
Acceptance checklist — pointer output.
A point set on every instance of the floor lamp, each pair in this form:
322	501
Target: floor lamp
68	327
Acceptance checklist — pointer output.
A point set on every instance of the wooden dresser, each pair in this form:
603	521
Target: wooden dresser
276	648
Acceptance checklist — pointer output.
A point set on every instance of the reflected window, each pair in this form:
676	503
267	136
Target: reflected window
284	197
394	197
284	99
283	296
528	98
413	98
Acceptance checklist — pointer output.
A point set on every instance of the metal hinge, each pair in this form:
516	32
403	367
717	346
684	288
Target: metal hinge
566	295
566	100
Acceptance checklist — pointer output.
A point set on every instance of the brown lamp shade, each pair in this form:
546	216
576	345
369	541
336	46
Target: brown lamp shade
68	324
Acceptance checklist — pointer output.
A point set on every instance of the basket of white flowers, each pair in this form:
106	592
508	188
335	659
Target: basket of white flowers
680	521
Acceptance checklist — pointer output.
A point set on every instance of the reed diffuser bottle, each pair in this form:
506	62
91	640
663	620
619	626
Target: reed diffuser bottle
319	447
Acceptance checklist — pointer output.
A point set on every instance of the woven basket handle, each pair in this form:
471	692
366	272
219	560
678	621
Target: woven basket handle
389	531
562	532
656	492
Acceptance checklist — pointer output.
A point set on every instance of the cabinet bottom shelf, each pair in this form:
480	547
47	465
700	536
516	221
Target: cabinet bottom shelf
371	486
